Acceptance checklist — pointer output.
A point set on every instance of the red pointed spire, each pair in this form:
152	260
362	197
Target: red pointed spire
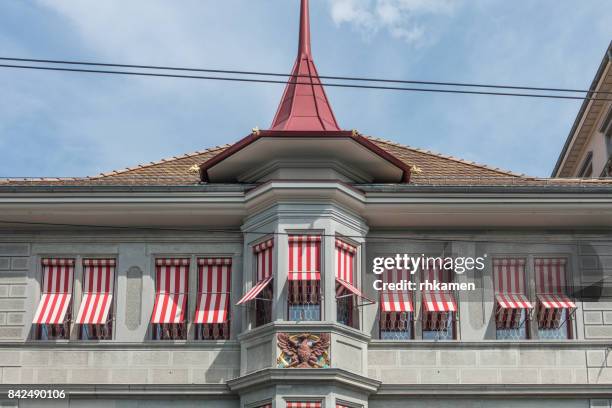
304	105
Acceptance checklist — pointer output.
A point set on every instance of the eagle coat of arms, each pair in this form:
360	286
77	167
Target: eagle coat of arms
303	350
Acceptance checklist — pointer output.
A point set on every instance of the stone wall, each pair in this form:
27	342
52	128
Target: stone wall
96	364
14	264
596	270
492	364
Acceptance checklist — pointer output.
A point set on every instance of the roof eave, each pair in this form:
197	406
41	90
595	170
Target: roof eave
581	112
353	135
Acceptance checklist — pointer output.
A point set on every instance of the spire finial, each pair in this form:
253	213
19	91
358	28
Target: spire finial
304	45
304	105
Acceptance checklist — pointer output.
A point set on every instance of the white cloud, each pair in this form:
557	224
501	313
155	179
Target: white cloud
406	20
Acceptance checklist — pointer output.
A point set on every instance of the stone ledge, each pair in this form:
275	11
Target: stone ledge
507	391
276	376
114	390
298	327
111	344
494	344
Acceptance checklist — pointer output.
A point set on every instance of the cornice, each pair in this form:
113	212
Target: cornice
326	376
438	391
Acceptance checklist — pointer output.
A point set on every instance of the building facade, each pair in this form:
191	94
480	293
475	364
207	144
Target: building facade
242	276
587	152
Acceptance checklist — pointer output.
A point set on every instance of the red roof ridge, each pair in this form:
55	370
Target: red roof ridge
158	162
451	158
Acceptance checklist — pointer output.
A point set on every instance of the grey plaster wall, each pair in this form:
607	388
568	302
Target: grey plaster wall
486	363
595	260
14	264
119	365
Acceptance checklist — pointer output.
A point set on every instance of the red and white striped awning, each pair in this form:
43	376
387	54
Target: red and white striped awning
436	301
550	275
434	272
214	282
439	302
214	275
345	261
345	270
56	291
263	254
303	404
171	291
551	281
169	308
396	301
509	275
254	291
344	287
98	280
304	257
556	302
212	308
513	301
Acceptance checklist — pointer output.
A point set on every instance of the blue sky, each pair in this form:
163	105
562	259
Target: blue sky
61	124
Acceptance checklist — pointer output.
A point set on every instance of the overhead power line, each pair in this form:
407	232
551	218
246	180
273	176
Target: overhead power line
271	81
275	74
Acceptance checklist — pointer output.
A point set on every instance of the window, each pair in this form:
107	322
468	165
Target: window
168	320
586	170
304	294
345	278
512	308
261	293
54	313
554	308
212	316
439	307
396	308
95	317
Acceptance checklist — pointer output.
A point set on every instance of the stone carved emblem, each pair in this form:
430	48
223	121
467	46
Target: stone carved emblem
304	350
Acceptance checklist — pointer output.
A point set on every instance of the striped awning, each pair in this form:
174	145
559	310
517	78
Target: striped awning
345	261
214	283
396	302
264	259
342	287
303	404
439	302
556	302
304	276
169	308
304	257
57	291
98	280
254	291
52	308
171	290
513	301
212	308
345	270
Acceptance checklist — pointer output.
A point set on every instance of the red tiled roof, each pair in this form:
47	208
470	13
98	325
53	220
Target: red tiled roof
428	169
